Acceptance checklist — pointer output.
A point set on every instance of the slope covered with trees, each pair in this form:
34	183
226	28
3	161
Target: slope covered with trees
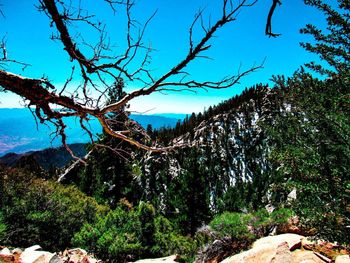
285	148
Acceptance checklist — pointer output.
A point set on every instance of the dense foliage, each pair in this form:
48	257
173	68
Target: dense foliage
312	150
34	210
128	233
249	226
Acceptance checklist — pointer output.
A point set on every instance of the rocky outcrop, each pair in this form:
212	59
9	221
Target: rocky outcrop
290	248
293	241
284	248
35	254
170	259
342	259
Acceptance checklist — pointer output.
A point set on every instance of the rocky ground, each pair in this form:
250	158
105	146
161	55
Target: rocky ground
35	254
284	248
291	248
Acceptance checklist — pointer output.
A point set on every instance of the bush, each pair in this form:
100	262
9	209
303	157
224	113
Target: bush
126	234
168	241
232	224
249	226
43	212
116	236
3	226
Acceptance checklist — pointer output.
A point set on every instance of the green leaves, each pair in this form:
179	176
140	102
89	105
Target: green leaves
40	211
232	224
333	43
312	152
242	226
132	233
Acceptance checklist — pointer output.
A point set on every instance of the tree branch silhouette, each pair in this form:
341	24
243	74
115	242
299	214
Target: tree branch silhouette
99	70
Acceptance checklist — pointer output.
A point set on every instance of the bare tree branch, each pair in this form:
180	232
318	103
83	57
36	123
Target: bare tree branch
54	104
268	29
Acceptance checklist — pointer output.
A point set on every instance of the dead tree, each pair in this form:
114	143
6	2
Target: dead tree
98	69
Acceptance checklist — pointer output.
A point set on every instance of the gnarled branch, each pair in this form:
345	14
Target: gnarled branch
54	104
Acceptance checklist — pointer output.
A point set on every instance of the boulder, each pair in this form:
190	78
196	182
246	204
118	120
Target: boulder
34	256
75	258
33	248
170	259
6	256
342	259
265	253
293	240
305	257
56	259
283	254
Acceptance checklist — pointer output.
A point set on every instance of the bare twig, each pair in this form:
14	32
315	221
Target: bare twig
54	104
268	29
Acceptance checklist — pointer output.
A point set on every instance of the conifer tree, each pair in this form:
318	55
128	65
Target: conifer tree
108	175
312	153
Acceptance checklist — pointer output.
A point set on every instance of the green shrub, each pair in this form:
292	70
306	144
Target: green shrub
249	226
38	211
281	216
114	236
3	226
231	224
126	234
168	241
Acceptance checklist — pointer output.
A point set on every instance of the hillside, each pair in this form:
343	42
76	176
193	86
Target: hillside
225	165
228	184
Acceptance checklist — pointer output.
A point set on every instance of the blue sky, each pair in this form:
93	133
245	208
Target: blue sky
241	43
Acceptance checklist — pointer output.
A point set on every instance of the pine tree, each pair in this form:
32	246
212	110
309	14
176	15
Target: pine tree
332	44
108	176
312	149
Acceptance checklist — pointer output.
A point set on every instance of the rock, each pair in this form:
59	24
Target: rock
265	253
78	251
56	259
283	254
308	244
293	240
33	256
77	255
33	248
75	258
292	195
6	256
342	259
17	251
88	259
170	259
5	251
305	256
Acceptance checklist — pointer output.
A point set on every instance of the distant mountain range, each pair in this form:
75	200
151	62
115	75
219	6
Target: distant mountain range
46	159
20	133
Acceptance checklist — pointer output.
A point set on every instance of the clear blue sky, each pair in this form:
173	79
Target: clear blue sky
241	43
